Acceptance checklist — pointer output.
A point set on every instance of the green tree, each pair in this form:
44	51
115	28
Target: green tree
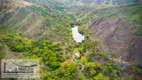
99	77
84	60
91	65
92	72
19	47
68	69
18	38
81	76
35	51
80	50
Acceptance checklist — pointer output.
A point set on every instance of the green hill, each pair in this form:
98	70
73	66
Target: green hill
35	21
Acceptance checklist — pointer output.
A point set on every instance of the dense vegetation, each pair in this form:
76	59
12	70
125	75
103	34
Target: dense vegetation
44	32
58	65
36	21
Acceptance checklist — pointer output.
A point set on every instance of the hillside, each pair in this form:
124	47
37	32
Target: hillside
121	31
108	2
34	21
119	28
42	29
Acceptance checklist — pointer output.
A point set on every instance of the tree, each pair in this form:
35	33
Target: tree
99	77
81	76
35	51
27	43
92	72
19	47
91	65
68	69
91	68
111	67
80	50
83	60
18	38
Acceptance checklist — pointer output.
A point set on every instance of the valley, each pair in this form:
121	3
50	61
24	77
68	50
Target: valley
74	39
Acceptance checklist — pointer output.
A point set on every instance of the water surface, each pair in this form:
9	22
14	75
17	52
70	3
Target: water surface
76	35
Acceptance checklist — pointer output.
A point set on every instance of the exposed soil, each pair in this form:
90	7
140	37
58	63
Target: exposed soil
9	6
117	37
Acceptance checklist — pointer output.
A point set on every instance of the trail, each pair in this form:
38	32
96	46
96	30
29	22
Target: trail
79	68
